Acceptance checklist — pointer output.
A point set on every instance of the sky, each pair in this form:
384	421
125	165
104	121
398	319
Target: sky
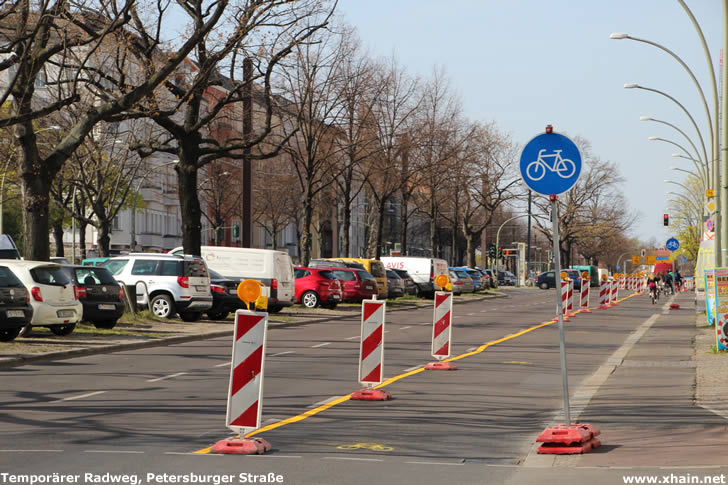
528	63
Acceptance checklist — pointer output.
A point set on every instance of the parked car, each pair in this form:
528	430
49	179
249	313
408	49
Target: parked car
8	249
493	277
410	287
100	294
94	261
422	270
376	268
317	286
59	260
224	296
395	285
273	268
478	283
54	298
547	279
334	263
487	278
461	281
506	278
174	283
15	309
358	284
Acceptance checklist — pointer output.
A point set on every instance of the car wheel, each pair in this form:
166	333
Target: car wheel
544	285
310	299
162	306
26	331
274	309
62	330
190	316
217	315
9	334
105	324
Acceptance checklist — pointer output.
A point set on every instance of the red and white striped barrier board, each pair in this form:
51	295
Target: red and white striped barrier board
622	283
371	350
570	299
614	293
245	395
564	297
604	292
442	325
584	295
441	331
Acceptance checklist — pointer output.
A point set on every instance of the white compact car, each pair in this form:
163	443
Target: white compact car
52	295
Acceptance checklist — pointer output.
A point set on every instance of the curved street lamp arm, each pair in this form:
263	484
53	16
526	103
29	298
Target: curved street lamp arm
697	153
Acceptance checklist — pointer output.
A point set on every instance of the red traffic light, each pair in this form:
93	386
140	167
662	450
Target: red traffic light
666	220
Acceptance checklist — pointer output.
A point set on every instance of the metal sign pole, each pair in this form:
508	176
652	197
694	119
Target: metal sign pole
559	306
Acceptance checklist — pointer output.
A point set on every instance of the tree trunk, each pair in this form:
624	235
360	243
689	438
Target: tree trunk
470	248
103	240
35	180
189	201
380	230
82	238
433	233
403	223
58	237
306	236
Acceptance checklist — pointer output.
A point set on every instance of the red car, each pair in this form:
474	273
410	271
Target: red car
358	284
317	286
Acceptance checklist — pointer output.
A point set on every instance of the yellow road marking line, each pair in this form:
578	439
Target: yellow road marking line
392	380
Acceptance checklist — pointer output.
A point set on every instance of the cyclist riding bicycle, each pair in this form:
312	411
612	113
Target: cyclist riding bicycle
652	281
668	282
678	280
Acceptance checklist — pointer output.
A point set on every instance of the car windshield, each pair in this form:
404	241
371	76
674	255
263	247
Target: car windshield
345	275
115	266
8	278
215	275
301	273
195	268
93	275
50	275
391	274
366	275
461	274
377	269
327	274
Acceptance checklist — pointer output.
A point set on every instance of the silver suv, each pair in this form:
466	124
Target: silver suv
175	284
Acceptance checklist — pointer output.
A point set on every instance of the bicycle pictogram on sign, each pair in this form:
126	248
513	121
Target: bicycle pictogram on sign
563	167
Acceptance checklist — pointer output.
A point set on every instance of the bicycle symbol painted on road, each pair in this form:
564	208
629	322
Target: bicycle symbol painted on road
366	446
563	167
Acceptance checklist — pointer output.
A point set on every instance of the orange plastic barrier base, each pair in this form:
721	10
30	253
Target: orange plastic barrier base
371	395
241	446
585	310
604	307
564	439
440	366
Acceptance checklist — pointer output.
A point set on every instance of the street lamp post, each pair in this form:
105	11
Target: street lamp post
649	118
698	163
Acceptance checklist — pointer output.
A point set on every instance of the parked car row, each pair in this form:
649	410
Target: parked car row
470	280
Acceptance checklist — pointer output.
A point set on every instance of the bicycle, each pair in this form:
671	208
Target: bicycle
654	296
563	167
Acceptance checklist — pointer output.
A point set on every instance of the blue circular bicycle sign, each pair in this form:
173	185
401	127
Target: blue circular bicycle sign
672	244
550	164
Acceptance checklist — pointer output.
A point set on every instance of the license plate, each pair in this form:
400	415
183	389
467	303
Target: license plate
106	306
15	313
200	288
336	297
65	313
233	292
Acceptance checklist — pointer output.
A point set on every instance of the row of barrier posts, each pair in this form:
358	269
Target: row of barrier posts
245	391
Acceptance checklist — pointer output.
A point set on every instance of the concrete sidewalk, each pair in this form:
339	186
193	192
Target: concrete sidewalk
662	398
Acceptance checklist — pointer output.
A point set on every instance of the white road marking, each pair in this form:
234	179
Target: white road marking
281	353
31	451
432	463
115	451
471	349
412	368
73	398
171	376
320	345
352	459
352	338
471	314
405	328
325	401
224	364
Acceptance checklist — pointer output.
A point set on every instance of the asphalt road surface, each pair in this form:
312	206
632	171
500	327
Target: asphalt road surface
131	417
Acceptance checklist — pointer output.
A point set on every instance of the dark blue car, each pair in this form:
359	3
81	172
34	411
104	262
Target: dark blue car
547	279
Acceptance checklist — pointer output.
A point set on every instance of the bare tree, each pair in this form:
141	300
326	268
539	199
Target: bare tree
76	50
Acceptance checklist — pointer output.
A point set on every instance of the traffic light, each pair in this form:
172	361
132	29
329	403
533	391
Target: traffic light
236	230
666	220
491	251
500	253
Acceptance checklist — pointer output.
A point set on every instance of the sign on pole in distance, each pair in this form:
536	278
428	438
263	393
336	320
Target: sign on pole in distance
672	244
550	164
636	260
651	259
709	225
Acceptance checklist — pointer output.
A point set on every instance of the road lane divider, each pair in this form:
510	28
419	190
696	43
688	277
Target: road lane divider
82	396
324	407
164	378
441	331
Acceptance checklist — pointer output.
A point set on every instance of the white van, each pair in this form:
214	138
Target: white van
271	267
422	270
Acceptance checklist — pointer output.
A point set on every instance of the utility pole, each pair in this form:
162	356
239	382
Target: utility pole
247	198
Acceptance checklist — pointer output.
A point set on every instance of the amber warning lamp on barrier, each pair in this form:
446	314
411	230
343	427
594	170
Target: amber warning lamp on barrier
443	281
249	291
